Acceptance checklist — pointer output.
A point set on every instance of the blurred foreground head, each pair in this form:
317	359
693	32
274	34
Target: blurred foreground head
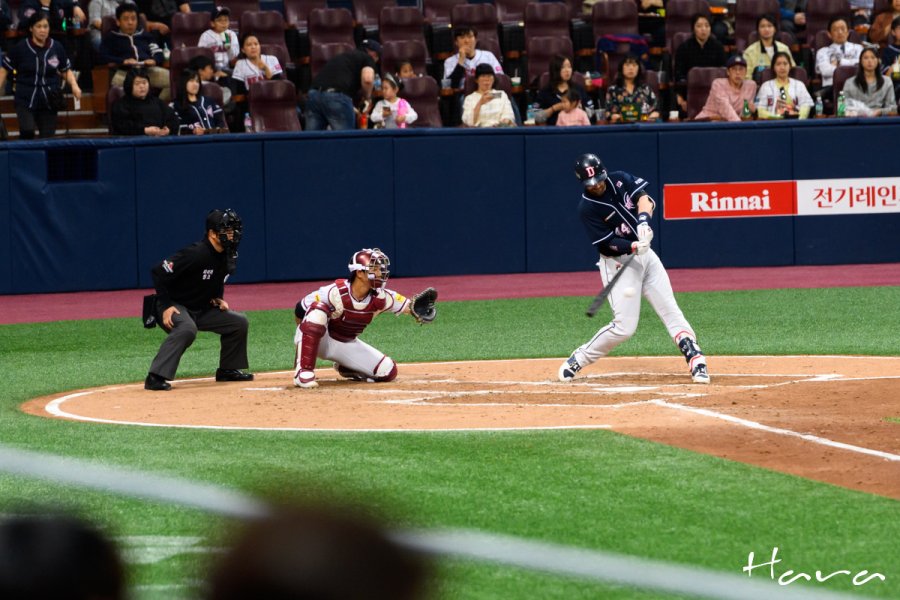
317	554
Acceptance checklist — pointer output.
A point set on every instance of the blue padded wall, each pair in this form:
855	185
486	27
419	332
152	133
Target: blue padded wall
73	235
5	227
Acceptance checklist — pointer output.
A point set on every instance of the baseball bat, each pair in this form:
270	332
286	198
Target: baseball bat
601	297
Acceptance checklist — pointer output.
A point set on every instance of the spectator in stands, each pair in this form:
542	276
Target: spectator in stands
205	68
55	10
158	14
840	52
890	56
140	113
392	112
97	9
196	114
467	57
883	25
783	97
307	553
128	46
572	114
550	98
699	50
630	99
253	65
793	17
869	94
339	84
405	70
222	40
728	94
861	12
38	63
487	107
759	54
5	16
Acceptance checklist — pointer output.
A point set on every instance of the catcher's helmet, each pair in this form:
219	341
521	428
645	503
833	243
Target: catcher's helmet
589	170
223	222
374	262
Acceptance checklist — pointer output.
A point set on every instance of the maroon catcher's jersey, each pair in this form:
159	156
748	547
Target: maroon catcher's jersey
350	317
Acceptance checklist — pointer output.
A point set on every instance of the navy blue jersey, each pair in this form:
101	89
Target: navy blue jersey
37	69
611	219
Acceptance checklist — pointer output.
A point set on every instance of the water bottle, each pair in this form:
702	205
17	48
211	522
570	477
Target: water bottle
166	53
530	114
248	123
377	82
841	105
76	23
820	106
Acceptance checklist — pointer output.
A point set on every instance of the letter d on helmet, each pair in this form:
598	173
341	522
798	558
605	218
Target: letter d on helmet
589	170
374	262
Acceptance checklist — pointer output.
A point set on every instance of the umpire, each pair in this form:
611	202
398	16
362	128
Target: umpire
189	289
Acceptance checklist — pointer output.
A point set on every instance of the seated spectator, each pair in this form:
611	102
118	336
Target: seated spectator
793	17
128	47
222	40
5	16
97	9
487	107
861	12
869	94
467	57
253	65
38	63
630	99
572	114
207	71
728	94
392	112
699	50
305	553
783	97
158	14
883	25
344	79
759	54
890	57
138	112
61	557
196	114
550	98
55	10
840	52
405	70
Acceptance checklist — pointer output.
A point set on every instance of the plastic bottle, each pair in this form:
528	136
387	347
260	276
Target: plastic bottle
745	113
820	106
248	123
895	68
377	82
166	53
76	23
530	113
841	105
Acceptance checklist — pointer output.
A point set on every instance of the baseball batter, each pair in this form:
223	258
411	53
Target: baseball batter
331	319
616	210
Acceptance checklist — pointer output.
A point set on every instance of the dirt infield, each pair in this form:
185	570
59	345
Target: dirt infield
825	418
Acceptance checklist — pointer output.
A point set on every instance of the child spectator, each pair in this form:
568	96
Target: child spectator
572	114
405	69
253	64
196	114
222	40
392	112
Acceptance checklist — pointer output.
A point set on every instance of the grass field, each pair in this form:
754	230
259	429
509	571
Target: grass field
593	489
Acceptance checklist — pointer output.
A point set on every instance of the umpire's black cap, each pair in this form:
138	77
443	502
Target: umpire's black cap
589	170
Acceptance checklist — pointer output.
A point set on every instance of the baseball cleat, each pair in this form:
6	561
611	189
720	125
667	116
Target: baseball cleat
568	369
305	379
351	374
700	374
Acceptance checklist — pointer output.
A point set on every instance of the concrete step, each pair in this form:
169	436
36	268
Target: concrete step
7	103
89	132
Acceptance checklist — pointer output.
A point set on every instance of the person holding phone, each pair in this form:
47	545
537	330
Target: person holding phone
487	107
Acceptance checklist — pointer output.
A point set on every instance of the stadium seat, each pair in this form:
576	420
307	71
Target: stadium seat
273	106
368	14
698	84
178	62
322	53
412	50
398	23
540	50
330	26
678	18
188	27
745	16
423	94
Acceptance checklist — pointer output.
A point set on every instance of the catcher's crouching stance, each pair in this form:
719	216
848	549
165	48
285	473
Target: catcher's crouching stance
331	319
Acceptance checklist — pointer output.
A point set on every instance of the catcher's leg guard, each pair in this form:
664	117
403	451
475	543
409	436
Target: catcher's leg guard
312	329
386	370
694	357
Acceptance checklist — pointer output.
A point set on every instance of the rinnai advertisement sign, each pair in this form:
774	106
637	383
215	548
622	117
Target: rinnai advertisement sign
805	197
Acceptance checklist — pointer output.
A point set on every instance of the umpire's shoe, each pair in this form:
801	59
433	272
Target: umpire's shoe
233	375
156	383
568	369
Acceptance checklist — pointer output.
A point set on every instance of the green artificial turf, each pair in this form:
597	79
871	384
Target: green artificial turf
593	489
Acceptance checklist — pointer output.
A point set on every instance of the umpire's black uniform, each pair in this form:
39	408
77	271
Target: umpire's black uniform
190	280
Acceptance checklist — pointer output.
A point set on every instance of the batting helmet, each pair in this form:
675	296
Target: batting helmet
589	170
223	222
374	262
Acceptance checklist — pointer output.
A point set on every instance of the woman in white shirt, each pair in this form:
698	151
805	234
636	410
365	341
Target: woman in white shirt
487	107
783	97
253	65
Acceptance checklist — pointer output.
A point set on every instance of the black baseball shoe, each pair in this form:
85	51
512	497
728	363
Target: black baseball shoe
233	375
156	383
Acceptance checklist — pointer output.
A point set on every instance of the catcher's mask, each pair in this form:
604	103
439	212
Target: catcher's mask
224	222
374	262
589	170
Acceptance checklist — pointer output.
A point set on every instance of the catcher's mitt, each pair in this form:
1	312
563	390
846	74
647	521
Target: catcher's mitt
422	308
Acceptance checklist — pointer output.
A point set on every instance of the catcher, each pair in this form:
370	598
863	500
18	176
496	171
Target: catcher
331	318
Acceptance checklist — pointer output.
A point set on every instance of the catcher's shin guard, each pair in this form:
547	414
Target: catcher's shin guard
386	370
308	349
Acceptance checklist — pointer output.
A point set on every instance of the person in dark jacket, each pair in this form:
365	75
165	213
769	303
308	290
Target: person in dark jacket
196	114
190	286
139	113
56	11
128	46
699	50
38	64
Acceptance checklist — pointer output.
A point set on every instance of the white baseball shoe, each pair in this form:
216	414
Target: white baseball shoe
568	369
305	379
700	374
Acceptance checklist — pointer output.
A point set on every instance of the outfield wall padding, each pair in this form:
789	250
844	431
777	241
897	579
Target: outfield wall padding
441	202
